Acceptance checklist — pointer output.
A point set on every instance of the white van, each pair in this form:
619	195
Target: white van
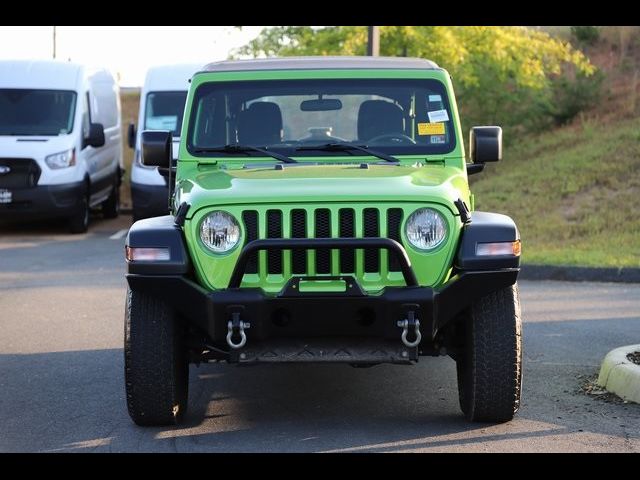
161	108
60	142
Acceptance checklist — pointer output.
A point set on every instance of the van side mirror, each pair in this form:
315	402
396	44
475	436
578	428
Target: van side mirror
95	138
485	144
131	135
157	148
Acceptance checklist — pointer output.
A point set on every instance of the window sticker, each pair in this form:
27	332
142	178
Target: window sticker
430	128
438	139
435	98
438	116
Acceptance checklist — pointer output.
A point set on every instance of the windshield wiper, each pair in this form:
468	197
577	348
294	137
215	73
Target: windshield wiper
336	146
236	148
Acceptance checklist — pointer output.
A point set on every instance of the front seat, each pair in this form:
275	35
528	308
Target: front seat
379	117
260	124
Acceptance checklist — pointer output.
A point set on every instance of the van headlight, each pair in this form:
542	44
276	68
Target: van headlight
219	231
426	228
59	160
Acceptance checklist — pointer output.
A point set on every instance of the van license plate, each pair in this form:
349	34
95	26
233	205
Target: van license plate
5	195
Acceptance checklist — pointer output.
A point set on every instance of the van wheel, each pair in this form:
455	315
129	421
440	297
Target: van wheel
111	206
79	222
155	361
490	367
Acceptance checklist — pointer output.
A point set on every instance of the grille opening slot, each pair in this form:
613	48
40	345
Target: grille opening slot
323	230
371	229
250	219
394	221
299	230
274	230
347	230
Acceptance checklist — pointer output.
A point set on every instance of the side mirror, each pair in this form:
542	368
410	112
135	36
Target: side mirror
95	138
485	144
157	148
131	135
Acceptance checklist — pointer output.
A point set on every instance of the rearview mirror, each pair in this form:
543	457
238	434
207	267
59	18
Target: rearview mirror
95	138
131	135
157	148
321	105
485	144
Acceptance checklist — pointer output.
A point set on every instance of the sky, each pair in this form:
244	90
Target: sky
127	51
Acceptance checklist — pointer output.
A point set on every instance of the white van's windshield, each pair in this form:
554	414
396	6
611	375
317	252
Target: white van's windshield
36	112
164	111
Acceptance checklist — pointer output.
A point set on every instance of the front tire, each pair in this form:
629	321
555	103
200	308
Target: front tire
79	222
490	367
156	365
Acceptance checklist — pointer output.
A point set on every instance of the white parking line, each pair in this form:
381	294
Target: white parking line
119	234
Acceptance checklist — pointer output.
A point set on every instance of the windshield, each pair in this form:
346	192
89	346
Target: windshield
164	111
36	112
293	116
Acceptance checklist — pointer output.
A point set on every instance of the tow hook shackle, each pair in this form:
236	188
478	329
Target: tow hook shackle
410	323
237	325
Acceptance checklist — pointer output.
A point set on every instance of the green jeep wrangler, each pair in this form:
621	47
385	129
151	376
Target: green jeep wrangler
321	212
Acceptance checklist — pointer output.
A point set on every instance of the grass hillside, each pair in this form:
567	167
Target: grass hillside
573	193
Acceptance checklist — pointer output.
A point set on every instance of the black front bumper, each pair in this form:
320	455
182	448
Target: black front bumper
315	316
44	201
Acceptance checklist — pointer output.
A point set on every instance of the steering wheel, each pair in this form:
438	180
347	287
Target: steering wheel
394	138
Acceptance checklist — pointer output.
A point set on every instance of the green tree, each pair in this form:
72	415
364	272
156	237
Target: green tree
503	75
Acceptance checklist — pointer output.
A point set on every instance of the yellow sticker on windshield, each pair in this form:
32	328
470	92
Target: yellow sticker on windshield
431	129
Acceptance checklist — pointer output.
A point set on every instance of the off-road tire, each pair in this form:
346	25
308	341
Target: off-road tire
155	362
490	367
79	221
111	206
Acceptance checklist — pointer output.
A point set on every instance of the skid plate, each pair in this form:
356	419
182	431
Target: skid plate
319	350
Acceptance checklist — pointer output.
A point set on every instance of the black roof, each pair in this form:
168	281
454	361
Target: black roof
320	63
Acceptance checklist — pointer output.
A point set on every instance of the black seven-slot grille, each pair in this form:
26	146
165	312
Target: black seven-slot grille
320	222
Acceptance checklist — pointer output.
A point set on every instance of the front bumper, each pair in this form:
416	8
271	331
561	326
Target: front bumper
322	315
44	201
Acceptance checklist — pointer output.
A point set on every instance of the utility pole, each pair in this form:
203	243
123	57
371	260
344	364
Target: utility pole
54	42
373	46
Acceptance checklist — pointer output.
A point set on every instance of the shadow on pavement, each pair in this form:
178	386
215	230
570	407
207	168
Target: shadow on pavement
74	401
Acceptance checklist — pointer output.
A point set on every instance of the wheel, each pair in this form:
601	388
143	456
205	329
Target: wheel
79	222
155	362
111	206
490	367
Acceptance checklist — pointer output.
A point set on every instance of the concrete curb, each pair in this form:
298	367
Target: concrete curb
620	375
579	274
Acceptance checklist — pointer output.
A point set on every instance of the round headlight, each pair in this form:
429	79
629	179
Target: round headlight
219	231
426	229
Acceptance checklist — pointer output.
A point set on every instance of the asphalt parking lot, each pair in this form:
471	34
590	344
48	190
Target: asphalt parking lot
61	372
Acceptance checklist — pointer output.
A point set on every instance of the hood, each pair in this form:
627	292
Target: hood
33	147
206	186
